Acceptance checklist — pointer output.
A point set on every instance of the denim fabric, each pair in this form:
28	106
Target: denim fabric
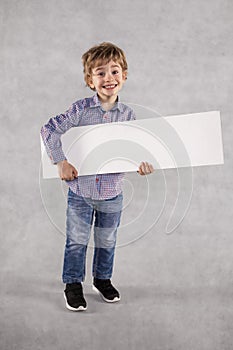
81	213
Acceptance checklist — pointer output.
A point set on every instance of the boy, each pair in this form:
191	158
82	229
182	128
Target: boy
95	198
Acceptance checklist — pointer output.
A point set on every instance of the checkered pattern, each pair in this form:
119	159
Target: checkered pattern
87	111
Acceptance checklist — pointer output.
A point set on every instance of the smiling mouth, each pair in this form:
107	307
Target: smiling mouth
109	87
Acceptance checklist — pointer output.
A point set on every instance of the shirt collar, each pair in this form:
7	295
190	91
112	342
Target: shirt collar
96	103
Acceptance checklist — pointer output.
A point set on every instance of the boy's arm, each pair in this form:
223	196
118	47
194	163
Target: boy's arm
51	135
52	131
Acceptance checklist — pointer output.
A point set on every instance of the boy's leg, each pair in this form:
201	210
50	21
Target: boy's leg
78	229
107	220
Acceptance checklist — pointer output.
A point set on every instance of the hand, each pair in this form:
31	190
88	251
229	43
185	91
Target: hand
145	168
66	171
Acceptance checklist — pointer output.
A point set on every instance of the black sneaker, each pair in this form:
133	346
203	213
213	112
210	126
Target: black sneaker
74	298
106	290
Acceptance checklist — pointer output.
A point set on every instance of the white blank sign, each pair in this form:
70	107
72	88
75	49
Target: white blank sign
166	142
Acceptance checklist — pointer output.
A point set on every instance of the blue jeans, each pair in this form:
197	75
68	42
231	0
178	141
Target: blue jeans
81	212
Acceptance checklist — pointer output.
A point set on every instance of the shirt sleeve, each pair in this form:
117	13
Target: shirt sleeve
52	131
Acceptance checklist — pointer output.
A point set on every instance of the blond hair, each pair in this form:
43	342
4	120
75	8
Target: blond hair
102	54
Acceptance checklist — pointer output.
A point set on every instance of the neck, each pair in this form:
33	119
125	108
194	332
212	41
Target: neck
108	102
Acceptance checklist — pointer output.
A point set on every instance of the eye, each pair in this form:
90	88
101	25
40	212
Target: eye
115	72
101	74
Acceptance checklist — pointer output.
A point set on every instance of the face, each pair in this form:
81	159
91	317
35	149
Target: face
107	79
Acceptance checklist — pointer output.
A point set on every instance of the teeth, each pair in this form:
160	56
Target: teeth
109	86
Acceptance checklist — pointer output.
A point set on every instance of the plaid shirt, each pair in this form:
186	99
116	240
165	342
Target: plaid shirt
87	111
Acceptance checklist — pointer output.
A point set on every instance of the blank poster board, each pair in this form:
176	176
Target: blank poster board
166	142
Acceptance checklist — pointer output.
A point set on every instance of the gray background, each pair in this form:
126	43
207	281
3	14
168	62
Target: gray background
176	289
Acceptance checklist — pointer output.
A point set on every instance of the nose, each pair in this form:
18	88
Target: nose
109	76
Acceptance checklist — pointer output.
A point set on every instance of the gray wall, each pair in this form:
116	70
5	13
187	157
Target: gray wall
176	289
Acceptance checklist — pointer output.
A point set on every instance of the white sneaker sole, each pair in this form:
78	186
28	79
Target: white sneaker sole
107	300
80	308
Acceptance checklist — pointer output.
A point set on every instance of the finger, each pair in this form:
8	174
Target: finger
75	173
151	168
142	168
146	168
142	171
67	178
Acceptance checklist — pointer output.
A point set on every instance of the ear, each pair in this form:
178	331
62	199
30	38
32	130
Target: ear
124	75
90	83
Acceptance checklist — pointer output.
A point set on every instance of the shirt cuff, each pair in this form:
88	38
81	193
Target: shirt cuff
57	156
